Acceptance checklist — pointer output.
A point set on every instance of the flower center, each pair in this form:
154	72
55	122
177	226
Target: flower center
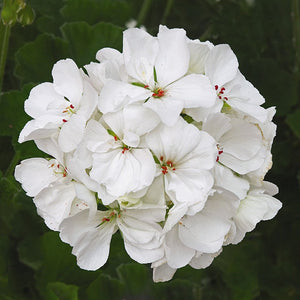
166	166
158	93
58	169
220	151
111	216
68	111
220	93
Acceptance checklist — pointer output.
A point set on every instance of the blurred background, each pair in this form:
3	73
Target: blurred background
265	36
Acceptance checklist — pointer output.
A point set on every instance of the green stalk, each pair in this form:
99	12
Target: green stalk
167	11
143	12
3	48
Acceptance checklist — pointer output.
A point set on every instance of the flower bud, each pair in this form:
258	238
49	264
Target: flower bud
26	16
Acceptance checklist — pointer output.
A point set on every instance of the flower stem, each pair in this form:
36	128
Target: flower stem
167	11
3	48
143	12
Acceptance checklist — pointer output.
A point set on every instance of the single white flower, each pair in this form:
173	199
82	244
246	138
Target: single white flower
239	143
118	162
90	236
158	67
184	155
61	108
257	206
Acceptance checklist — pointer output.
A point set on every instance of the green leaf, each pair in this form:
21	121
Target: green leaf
293	120
136	278
13	117
278	89
34	61
63	291
85	40
107	287
236	260
93	11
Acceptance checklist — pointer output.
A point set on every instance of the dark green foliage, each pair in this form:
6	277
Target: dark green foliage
35	264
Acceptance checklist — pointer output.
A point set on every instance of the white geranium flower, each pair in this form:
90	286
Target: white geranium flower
257	206
117	162
196	239
158	67
56	195
239	143
61	108
90	236
36	174
232	89
185	156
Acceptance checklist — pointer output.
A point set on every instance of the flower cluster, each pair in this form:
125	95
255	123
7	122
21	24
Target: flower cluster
166	142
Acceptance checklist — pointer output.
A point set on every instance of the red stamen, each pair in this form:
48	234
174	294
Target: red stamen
216	87
124	149
217	159
105	220
220	152
64	120
220	97
169	163
146	86
161	158
225	98
57	166
115	137
71	106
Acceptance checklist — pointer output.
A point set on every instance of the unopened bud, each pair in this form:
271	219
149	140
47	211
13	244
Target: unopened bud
26	15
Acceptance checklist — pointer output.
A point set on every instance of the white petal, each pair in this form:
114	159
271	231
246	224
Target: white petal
93	249
193	90
116	94
203	233
163	273
67	80
39	99
243	141
221	65
198	55
108	54
123	173
226	179
142	255
39	129
167	109
253	110
50	146
173	58
54	204
140	119
88	102
139	50
177	254
189	186
252	210
216	125
97	138
203	260
71	133
34	174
